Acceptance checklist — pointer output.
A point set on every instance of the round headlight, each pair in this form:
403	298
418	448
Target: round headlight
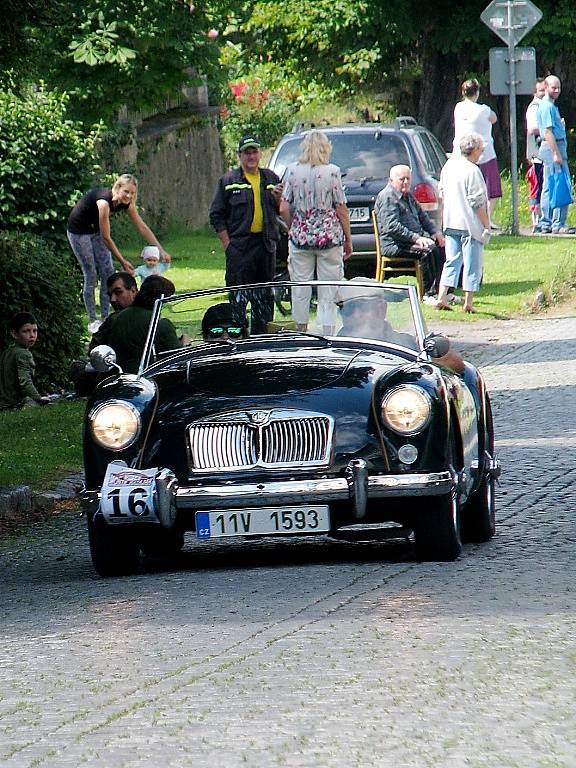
406	410
115	425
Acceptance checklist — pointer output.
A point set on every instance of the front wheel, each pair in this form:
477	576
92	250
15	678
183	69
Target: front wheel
479	515
437	530
115	550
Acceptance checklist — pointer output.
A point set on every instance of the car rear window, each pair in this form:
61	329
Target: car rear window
358	155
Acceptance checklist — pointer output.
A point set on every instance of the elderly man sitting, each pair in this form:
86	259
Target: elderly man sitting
407	230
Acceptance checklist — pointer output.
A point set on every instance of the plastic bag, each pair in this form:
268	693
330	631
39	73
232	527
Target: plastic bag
559	189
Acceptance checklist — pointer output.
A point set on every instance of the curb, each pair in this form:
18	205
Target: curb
19	501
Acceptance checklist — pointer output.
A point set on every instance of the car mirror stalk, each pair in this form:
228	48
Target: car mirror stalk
103	359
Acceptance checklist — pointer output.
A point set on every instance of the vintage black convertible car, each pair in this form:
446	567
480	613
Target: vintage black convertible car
351	422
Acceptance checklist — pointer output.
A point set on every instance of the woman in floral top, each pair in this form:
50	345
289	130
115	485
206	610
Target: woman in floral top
314	208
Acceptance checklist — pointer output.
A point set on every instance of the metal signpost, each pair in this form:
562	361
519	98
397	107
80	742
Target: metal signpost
511	20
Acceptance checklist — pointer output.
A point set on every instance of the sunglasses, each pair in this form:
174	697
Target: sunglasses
233	331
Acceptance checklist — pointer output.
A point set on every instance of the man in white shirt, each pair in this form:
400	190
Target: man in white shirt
532	148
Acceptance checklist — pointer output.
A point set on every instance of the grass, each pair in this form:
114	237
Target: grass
39	445
516	269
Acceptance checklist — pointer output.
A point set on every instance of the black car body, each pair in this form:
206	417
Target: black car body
289	432
365	153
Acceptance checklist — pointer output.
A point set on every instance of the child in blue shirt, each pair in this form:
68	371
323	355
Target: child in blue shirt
152	264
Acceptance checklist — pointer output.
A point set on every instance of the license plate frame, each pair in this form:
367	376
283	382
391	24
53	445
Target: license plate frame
359	215
263	521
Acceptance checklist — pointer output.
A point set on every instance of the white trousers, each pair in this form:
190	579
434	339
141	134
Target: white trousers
327	264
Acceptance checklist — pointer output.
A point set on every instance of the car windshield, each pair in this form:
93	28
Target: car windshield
358	155
355	309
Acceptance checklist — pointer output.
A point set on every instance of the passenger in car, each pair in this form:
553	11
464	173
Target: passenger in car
407	230
221	326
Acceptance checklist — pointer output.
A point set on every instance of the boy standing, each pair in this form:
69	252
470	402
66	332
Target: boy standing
17	365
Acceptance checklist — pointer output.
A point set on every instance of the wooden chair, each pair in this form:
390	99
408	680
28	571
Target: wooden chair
387	266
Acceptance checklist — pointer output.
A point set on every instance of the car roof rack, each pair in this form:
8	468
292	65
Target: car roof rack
404	121
307	126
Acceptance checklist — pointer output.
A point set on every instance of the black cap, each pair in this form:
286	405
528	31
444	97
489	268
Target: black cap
248	141
221	314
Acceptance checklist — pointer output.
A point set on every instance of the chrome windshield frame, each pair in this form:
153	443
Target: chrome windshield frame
419	324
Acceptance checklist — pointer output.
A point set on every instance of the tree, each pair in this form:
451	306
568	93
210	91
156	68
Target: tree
109	53
416	53
46	160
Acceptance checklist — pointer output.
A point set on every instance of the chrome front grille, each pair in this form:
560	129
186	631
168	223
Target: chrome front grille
269	439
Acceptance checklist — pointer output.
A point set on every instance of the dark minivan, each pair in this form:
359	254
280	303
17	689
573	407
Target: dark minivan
365	153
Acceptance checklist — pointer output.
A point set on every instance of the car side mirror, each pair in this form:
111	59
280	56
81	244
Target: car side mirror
436	345
103	359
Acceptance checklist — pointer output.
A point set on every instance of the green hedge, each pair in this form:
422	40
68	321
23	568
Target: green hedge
46	162
40	278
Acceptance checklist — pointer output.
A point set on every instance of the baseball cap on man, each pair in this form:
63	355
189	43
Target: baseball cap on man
248	141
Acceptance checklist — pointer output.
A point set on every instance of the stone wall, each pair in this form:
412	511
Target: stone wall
178	161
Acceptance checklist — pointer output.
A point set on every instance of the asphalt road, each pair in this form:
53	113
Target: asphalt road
325	654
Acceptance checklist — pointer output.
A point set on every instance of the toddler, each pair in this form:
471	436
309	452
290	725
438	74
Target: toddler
152	264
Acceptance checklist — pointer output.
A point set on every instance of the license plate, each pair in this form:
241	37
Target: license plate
262	520
359	214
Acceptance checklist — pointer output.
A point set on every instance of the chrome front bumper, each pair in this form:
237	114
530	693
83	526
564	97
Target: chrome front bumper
355	488
288	492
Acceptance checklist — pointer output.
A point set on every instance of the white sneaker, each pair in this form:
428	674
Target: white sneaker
453	299
430	300
94	325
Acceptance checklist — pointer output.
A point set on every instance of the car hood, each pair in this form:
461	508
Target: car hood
266	373
338	382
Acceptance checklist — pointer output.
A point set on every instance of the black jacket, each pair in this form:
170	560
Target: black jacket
401	220
232	207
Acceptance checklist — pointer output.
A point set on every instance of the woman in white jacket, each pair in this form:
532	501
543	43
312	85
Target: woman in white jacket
466	222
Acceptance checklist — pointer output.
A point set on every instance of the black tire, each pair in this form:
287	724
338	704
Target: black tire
160	542
437	530
479	515
437	525
114	550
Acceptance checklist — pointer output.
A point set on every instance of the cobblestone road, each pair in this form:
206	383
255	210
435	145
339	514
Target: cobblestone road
328	654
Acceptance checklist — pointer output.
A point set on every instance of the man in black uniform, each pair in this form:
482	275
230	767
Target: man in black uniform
244	214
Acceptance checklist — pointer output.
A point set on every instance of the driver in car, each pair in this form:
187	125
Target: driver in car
363	310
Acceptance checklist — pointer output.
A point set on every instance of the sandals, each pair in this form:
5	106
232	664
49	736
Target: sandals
469	310
443	307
